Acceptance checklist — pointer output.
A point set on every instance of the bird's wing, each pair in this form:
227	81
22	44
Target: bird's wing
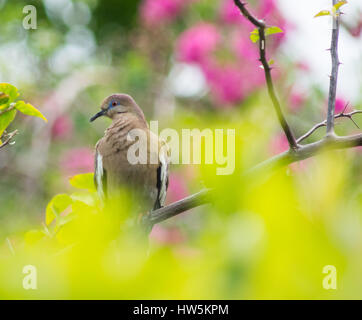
100	176
162	175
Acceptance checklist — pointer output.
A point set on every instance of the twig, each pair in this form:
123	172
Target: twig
296	152
8	138
183	205
12	106
334	75
267	70
324	123
247	15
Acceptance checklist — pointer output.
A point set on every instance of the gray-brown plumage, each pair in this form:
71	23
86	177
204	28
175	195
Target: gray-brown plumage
146	182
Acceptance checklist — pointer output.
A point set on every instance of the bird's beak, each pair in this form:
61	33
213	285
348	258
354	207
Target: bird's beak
97	115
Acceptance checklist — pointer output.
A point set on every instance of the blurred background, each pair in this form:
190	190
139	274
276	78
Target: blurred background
190	64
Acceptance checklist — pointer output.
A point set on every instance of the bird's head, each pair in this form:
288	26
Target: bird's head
118	104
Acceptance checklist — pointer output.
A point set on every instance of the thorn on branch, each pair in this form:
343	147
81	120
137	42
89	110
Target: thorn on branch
324	123
8	138
334	73
351	118
345	107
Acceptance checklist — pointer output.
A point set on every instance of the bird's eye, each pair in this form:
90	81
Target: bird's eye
114	103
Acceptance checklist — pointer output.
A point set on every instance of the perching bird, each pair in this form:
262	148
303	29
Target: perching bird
146	182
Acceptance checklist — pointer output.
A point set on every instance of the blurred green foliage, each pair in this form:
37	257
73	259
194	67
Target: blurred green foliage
9	108
263	237
282	231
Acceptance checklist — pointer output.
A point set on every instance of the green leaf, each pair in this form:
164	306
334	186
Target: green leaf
10	90
254	35
4	98
33	236
5	119
271	62
273	30
339	4
85	197
56	206
29	110
83	181
66	219
323	13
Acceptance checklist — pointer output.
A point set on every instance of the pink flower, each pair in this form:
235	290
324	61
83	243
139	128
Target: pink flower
278	144
230	13
177	188
62	127
357	30
230	81
156	12
302	66
244	48
340	105
297	101
197	43
266	8
78	160
164	235
253	76
300	166
226	84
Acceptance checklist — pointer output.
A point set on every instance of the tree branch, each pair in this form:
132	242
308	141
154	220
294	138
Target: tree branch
11	107
283	159
334	74
267	70
8	138
324	123
180	206
296	152
309	151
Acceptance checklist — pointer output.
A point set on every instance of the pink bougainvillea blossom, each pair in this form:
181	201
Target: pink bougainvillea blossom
166	236
244	49
230	65
157	12
226	84
266	8
177	188
253	76
303	66
340	105
78	160
62	127
278	144
229	13
297	101
197	43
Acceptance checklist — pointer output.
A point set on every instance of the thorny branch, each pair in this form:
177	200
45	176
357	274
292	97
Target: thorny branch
324	123
8	138
267	70
12	106
283	159
296	152
334	74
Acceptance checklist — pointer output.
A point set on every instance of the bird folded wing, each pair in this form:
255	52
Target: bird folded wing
100	176
162	174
